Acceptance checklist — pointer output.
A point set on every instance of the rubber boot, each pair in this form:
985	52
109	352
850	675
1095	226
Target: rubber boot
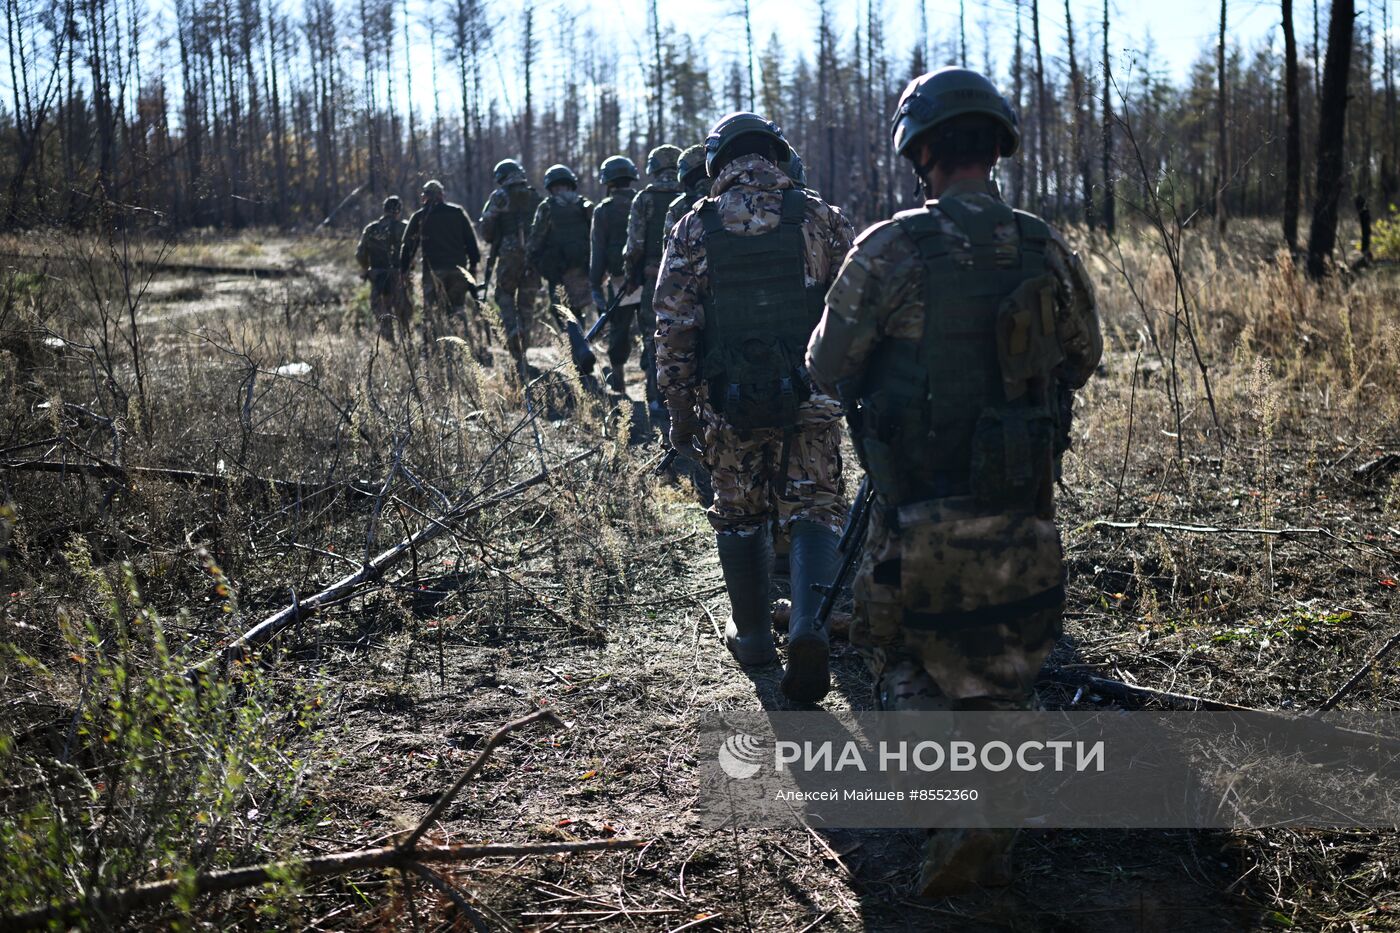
745	560
812	558
582	354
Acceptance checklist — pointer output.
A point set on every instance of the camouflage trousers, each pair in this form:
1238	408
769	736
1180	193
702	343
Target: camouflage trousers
445	290
620	336
750	486
388	302
978	660
516	292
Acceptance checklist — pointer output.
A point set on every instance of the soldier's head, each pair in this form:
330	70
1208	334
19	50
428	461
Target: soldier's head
691	167
661	161
742	134
617	171
432	192
508	171
953	122
392	206
559	178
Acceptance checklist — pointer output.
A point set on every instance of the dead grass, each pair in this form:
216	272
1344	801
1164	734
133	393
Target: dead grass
597	593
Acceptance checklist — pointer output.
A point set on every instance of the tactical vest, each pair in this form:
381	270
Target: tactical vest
616	207
759	314
567	243
964	411
522	200
654	238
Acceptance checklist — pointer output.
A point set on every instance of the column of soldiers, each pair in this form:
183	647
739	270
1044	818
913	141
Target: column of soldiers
945	338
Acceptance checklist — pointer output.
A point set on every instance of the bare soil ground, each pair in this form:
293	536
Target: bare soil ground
598	596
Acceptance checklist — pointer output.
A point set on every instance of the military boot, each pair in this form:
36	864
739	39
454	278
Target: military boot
959	861
812	558
745	560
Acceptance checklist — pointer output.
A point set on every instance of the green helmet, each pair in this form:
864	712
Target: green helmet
792	167
941	95
616	168
560	174
693	159
740	123
663	159
508	170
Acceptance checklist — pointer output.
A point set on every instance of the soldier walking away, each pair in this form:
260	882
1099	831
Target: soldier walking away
505	225
558	248
450	253
941	335
607	239
378	256
646	234
739	292
691	169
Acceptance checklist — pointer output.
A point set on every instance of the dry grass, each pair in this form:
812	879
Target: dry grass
596	593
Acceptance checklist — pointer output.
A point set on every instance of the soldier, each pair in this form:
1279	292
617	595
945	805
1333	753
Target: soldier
449	245
646	235
739	292
608	237
558	248
691	169
941	335
505	224
378	256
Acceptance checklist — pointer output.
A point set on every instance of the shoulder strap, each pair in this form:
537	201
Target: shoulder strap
794	206
710	219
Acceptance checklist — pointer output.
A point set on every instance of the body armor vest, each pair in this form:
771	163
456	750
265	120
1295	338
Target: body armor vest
616	206
654	238
567	243
523	200
964	411
759	314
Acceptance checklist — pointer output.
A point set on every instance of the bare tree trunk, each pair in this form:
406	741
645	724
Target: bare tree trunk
1222	146
1293	133
1018	168
527	116
659	88
1331	136
1040	109
1081	148
1109	198
748	44
962	33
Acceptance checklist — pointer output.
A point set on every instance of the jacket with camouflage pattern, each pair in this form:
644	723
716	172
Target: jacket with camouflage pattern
655	196
879	295
505	220
748	195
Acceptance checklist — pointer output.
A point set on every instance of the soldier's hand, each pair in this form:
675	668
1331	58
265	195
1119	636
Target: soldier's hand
686	430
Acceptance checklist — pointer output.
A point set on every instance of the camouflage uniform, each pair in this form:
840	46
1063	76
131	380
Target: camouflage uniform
744	465
378	256
646	237
505	224
947	559
543	236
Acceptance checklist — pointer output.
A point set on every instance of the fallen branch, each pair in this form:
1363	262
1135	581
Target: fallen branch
190	478
301	609
122	902
1361	672
405	856
1211	529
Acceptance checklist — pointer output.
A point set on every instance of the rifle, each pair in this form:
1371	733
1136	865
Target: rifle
857	523
605	316
480	289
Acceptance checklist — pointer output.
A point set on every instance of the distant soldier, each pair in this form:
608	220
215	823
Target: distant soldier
646	235
608	237
378	256
691	169
558	248
449	248
941	335
505	224
739	292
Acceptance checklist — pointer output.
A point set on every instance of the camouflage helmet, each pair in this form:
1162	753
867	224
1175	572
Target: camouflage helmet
508	170
616	168
663	159
793	168
560	174
693	159
741	123
939	96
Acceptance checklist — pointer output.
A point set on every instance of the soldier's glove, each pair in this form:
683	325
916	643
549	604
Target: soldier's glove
686	429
